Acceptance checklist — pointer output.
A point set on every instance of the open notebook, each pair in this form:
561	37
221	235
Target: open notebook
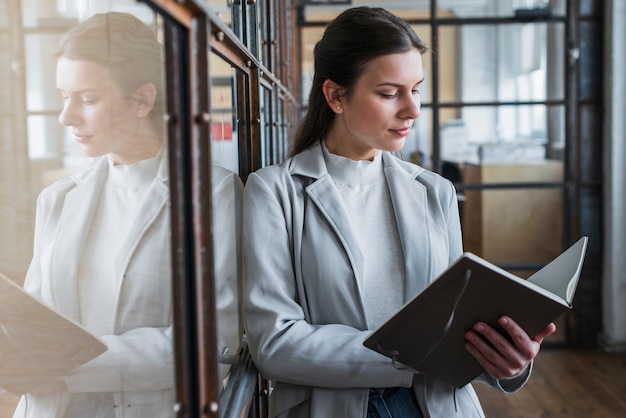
38	344
428	332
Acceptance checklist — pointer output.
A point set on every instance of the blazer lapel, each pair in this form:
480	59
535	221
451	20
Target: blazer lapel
326	198
151	206
409	200
78	210
155	200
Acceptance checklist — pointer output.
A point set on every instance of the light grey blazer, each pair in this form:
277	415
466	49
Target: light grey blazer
138	365
303	309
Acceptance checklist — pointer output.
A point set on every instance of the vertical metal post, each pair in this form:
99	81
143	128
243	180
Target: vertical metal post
182	287
201	212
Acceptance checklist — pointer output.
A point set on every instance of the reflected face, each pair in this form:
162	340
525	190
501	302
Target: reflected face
381	109
103	119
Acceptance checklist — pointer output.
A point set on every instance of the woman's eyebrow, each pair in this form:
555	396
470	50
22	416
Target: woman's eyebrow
398	85
78	92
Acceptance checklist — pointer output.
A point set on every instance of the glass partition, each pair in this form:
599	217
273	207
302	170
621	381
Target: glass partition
227	188
85	205
530	9
267	125
224	129
222	8
509	62
490	217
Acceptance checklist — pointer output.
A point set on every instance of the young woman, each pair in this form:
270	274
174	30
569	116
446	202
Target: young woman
341	234
102	236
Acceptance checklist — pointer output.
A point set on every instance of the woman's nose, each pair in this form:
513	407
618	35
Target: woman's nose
69	116
412	109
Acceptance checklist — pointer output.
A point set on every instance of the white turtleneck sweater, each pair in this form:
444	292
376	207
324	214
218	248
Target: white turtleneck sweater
363	187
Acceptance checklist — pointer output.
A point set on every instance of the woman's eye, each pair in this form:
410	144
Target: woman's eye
415	91
89	101
390	96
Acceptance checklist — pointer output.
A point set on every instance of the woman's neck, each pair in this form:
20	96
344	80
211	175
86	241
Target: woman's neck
139	152
338	142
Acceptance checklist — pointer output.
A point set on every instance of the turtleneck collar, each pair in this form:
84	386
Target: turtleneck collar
347	171
136	175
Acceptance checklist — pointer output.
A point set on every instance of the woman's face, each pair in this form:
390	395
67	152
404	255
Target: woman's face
103	119
381	109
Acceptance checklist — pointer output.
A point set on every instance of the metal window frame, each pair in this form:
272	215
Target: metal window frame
192	32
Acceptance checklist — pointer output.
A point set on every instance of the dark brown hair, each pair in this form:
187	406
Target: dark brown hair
353	39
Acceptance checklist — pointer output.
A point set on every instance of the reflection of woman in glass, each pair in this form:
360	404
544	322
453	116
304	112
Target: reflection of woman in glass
102	236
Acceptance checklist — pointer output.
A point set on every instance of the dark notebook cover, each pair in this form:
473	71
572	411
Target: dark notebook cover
428	333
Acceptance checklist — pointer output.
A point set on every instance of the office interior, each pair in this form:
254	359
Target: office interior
522	108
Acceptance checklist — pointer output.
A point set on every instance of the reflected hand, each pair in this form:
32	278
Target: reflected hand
497	354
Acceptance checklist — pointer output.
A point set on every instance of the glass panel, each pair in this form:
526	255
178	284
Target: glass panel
310	36
505	132
44	14
503	63
224	135
227	189
288	113
532	216
84	165
490	133
42	94
253	27
267	125
506	8
262	13
448	59
46	138
4	15
420	9
223	9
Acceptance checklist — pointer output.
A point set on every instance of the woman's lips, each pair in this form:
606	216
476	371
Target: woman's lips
402	131
81	138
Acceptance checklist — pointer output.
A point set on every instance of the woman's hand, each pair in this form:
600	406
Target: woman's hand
497	354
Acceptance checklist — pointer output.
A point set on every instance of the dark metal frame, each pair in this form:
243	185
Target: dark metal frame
191	32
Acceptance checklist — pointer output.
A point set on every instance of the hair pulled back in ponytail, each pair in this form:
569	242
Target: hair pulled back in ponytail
353	39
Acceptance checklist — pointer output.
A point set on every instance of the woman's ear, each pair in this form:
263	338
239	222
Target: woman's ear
145	97
333	94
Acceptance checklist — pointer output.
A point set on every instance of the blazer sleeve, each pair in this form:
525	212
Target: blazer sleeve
139	360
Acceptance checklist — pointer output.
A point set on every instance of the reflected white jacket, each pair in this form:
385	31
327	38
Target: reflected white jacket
138	364
303	310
